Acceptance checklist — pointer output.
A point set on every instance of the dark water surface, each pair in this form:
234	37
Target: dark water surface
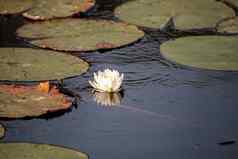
168	111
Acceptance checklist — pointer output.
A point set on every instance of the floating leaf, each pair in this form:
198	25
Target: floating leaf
26	64
208	52
187	14
14	6
80	35
38	151
28	101
228	26
49	9
2	131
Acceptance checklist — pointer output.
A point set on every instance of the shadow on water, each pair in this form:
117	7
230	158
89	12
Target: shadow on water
167	111
8	26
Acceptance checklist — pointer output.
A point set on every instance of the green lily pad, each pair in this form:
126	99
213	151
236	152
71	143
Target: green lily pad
80	35
27	64
228	26
208	52
30	101
2	131
38	151
14	6
49	9
187	14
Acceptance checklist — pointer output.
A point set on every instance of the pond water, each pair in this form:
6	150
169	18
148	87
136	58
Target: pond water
167	110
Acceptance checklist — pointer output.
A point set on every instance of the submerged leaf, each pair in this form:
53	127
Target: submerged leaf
80	35
38	151
208	52
27	64
29	101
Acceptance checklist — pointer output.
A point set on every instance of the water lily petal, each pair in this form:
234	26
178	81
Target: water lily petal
107	81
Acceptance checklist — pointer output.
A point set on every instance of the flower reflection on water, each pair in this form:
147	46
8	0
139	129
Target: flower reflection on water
107	99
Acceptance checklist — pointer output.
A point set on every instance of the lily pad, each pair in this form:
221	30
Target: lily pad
187	14
2	131
208	52
80	35
38	151
49	9
14	6
228	26
30	101
27	64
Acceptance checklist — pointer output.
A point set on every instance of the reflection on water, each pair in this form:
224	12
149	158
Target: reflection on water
155	118
107	99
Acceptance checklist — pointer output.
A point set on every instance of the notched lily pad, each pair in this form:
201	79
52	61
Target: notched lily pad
14	6
36	151
207	52
49	9
187	14
30	101
2	131
80	35
27	64
229	26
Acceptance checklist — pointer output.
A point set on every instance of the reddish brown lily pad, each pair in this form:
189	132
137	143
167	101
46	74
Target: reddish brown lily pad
49	9
30	101
80	35
14	6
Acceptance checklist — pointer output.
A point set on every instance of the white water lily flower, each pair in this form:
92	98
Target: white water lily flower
107	81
